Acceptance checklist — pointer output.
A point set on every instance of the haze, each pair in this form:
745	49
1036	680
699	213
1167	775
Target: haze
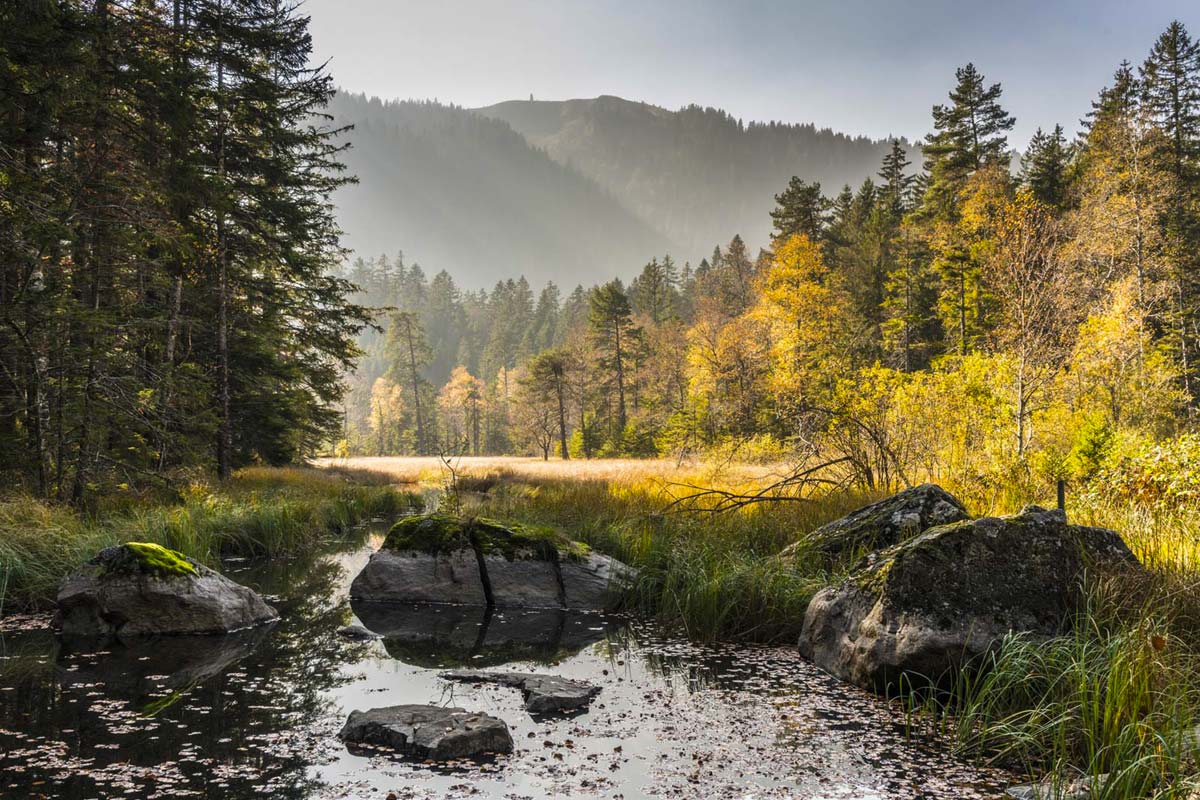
859	67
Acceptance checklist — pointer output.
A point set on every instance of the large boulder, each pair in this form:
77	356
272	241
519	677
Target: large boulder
138	589
921	608
428	732
888	522
440	558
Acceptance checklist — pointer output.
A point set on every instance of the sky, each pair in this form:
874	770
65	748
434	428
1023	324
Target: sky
857	66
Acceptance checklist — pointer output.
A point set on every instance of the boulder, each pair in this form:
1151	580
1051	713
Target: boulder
923	607
444	559
428	732
138	589
888	522
543	694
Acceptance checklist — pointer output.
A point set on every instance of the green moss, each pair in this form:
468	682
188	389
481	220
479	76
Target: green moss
428	533
147	558
439	533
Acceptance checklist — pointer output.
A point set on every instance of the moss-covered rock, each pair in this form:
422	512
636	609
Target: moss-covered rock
924	606
887	522
442	558
444	533
140	588
145	558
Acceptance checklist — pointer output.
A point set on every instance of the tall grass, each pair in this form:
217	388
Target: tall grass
260	511
717	575
1114	701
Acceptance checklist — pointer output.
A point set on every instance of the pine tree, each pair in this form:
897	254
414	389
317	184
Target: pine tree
611	319
970	132
800	208
1045	165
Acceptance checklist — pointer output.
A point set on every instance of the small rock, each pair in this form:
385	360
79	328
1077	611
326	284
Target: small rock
1046	790
428	732
544	694
357	632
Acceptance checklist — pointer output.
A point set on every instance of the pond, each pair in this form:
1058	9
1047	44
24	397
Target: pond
257	714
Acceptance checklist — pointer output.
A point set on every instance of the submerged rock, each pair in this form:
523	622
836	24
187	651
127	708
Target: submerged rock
888	522
428	732
543	694
439	558
924	607
145	589
357	632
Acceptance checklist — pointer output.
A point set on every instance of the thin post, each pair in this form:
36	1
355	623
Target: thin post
1062	495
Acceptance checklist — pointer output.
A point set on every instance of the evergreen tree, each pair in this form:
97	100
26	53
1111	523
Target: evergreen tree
613	332
1045	167
969	132
800	208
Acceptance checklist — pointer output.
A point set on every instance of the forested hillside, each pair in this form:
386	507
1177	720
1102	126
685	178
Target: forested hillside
694	174
469	194
1011	322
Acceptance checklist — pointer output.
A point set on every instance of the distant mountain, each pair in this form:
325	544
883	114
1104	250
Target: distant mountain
697	175
465	193
573	191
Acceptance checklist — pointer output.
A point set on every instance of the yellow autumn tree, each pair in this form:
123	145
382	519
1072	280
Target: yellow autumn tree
809	324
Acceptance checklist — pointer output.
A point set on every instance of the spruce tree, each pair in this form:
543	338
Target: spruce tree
1045	167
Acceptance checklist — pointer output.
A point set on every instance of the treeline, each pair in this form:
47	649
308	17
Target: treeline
166	241
980	318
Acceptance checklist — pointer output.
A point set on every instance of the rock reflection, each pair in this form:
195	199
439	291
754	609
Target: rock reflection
442	636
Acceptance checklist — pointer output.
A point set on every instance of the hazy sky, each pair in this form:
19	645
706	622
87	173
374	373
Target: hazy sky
853	65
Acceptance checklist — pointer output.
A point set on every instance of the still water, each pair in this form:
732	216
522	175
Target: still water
257	714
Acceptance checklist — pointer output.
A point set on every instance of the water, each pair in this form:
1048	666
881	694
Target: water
256	714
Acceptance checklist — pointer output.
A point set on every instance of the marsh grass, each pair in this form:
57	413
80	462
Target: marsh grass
717	575
1115	700
260	511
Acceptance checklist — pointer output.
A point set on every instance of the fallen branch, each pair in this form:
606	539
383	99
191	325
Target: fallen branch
726	501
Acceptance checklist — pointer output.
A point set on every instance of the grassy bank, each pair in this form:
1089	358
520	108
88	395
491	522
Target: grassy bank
259	511
1115	701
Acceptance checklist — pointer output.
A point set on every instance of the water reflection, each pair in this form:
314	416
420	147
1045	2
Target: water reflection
439	637
256	714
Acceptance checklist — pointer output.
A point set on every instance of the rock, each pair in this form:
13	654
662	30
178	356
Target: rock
888	522
428	732
415	577
357	632
925	606
1075	790
544	694
139	589
439	558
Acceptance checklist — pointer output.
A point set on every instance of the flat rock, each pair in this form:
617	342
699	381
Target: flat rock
926	606
428	732
544	694
121	593
888	522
